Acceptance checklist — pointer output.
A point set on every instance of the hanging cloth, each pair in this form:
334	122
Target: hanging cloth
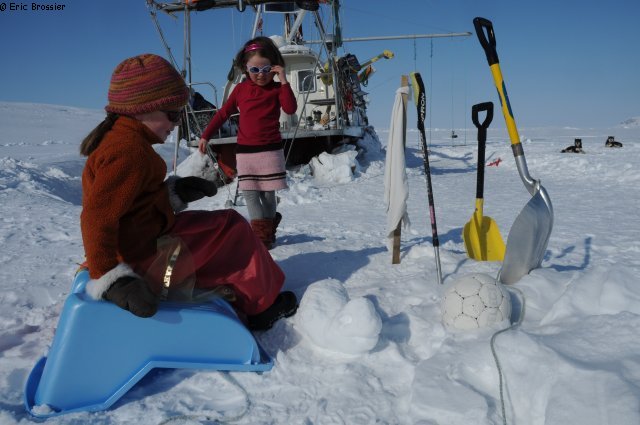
396	187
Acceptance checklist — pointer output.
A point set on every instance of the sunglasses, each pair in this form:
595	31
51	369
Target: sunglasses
259	69
173	116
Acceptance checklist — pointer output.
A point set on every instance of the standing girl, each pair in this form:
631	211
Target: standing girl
259	150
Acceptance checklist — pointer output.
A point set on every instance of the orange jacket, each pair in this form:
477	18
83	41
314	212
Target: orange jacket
125	201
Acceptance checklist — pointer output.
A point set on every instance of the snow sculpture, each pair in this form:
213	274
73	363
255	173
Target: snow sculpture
333	322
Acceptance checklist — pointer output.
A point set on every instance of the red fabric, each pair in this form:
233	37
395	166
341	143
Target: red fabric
221	249
259	109
226	157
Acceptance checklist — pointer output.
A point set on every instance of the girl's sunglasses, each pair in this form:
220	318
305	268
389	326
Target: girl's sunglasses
259	70
173	116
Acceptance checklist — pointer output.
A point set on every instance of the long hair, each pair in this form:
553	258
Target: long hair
93	139
262	46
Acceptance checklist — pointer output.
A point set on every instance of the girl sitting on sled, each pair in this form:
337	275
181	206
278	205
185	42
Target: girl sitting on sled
130	212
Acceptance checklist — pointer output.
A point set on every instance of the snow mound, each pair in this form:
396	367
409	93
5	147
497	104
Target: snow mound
337	168
28	178
330	320
370	148
594	294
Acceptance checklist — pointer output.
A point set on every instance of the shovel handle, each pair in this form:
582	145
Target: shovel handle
482	140
482	107
488	43
488	40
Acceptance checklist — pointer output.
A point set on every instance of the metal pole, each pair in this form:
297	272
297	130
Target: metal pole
332	64
398	37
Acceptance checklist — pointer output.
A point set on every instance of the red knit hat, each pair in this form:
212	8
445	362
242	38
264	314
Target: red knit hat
146	83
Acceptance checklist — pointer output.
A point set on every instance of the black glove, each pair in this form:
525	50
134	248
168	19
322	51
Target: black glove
192	188
133	294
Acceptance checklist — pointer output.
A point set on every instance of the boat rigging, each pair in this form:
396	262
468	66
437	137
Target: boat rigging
328	86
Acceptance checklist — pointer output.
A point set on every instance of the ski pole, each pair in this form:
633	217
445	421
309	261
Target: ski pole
420	99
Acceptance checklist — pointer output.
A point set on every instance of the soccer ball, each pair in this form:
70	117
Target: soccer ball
475	300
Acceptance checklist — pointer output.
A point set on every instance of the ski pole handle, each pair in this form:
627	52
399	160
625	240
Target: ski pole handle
489	45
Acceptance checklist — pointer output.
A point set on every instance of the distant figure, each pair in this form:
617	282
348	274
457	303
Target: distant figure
576	148
611	143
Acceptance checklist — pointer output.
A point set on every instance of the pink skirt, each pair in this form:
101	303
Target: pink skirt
263	171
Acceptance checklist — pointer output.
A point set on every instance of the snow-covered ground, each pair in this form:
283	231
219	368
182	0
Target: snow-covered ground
367	345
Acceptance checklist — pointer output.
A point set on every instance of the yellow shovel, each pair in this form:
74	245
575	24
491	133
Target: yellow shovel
481	235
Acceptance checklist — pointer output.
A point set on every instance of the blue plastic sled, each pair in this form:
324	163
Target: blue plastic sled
100	351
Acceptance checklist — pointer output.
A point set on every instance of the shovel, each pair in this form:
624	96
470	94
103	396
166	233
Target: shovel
529	234
481	235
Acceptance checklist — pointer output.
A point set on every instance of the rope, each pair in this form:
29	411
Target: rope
221	419
154	18
495	355
306	98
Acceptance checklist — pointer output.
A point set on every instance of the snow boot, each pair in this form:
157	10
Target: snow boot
276	221
263	228
285	305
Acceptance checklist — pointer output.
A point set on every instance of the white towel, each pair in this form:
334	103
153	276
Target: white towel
396	187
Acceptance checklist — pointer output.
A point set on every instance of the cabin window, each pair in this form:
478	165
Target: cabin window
306	81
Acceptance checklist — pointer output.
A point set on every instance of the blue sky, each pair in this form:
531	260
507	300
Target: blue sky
565	63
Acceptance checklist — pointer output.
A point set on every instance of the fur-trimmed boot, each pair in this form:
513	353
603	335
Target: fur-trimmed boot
263	228
276	221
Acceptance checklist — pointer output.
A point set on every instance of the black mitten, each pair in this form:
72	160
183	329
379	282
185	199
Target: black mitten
133	294
192	188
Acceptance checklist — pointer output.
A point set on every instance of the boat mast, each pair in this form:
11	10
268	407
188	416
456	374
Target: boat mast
256	21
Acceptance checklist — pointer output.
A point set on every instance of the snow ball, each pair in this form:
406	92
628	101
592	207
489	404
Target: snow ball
197	165
330	320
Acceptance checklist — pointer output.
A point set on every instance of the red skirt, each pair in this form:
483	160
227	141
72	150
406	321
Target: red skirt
216	248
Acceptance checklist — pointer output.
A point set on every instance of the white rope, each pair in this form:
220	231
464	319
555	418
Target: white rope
221	419
495	354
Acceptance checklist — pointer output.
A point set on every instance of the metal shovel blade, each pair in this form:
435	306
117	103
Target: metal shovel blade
528	238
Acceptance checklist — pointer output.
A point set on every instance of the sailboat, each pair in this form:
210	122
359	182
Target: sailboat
332	105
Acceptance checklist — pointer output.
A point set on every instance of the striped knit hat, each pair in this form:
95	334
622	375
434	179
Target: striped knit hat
146	83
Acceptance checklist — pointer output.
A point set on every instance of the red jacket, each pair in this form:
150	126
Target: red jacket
259	108
125	201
